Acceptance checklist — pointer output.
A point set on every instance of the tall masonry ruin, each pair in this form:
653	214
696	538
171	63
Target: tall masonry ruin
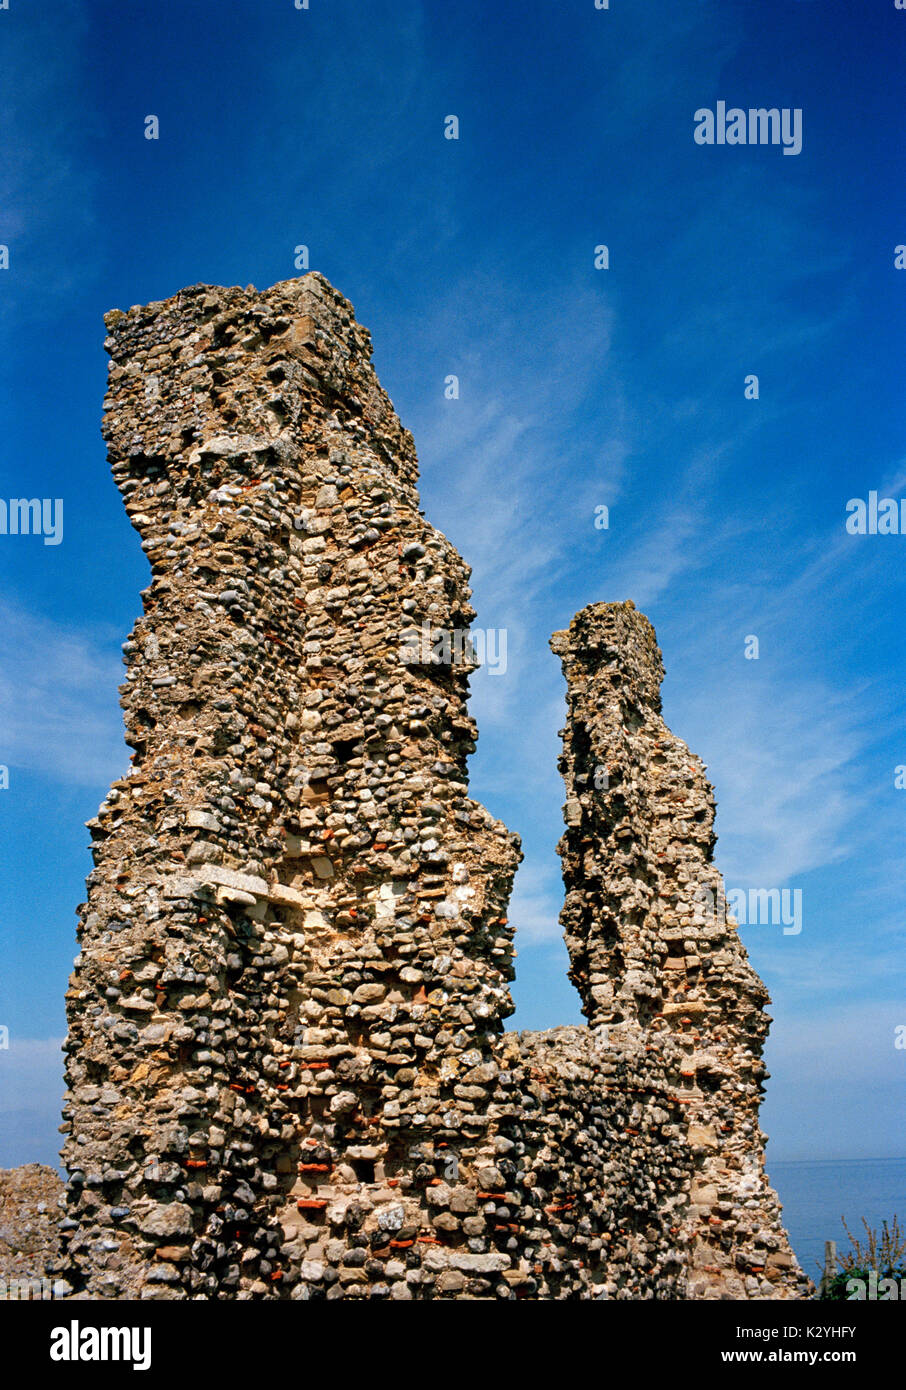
288	1076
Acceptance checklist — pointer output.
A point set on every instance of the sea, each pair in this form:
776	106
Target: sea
817	1193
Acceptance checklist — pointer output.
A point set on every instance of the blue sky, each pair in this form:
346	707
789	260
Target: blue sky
579	388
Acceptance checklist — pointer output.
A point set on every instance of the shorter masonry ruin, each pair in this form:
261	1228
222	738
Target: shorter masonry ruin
288	1075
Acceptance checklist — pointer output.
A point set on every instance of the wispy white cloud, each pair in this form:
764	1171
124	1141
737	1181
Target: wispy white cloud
31	1091
836	1080
653	560
497	476
535	905
58	709
783	761
813	976
47	183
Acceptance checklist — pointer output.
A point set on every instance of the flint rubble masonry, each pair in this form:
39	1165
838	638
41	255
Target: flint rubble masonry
647	956
288	1076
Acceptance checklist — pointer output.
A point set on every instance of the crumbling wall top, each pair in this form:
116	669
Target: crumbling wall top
617	639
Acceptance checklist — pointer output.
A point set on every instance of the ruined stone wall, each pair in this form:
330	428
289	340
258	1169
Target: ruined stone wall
650	945
295	952
286	1066
29	1233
